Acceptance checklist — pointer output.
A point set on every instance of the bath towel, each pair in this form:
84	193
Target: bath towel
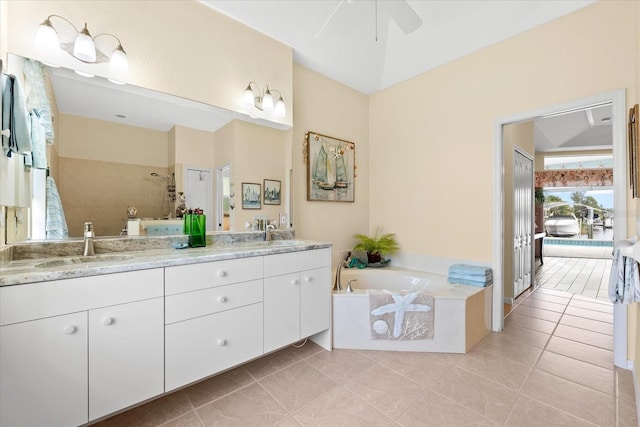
400	315
56	224
39	141
478	283
459	276
474	270
37	98
15	117
624	281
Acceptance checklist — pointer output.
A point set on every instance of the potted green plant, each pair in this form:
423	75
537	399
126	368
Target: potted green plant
539	198
377	245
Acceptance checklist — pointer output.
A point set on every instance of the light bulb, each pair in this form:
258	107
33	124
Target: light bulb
248	96
118	62
83	48
280	108
46	36
267	101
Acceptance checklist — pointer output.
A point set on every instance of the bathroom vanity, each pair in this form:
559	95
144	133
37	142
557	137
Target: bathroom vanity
80	340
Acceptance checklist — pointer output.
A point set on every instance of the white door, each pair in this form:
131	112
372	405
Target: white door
198	189
522	221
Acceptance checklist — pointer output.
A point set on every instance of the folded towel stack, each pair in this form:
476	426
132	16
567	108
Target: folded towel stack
470	275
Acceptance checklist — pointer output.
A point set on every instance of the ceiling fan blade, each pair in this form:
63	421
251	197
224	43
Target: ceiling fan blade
404	16
329	18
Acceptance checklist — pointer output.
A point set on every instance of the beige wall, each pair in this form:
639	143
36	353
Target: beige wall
178	47
515	135
325	106
435	132
258	155
100	192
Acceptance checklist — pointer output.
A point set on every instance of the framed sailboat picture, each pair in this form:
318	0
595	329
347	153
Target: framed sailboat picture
251	195
331	166
271	194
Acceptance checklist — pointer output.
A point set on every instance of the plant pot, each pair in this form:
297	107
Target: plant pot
373	258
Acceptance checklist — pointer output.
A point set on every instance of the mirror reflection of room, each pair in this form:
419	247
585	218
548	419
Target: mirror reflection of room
116	147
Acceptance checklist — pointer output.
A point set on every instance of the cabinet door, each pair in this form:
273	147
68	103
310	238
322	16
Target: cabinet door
206	345
43	367
315	301
126	355
281	311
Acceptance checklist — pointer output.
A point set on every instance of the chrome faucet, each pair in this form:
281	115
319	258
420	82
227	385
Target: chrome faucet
349	289
338	284
88	239
267	231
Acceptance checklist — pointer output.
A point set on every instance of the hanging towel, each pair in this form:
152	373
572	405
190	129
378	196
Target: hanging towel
39	141
15	117
37	98
56	224
624	281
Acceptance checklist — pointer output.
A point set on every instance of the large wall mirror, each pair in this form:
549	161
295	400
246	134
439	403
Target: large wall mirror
118	146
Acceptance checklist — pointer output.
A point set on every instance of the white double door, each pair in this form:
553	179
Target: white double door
522	221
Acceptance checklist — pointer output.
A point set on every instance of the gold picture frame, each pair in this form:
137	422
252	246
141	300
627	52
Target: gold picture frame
634	151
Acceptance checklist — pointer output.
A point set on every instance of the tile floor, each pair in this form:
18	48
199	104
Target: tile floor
553	365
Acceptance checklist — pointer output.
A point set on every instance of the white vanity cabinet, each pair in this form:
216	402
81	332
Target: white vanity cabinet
214	318
43	372
297	296
75	350
126	363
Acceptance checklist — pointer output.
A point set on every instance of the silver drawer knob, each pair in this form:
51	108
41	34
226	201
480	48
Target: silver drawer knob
222	299
70	329
308	279
295	281
222	273
108	321
222	342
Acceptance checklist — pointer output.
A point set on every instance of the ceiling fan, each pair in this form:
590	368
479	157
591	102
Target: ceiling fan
398	10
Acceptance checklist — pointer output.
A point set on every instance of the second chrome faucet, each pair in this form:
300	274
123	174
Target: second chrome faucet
89	234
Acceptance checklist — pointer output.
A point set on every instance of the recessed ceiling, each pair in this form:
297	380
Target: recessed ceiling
588	129
345	48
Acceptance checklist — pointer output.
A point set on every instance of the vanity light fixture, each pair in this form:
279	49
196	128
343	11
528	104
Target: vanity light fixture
264	101
83	48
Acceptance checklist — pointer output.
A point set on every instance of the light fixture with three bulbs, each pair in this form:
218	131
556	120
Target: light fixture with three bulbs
83	48
264	101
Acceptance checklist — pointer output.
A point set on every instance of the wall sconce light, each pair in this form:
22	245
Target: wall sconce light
264	101
83	48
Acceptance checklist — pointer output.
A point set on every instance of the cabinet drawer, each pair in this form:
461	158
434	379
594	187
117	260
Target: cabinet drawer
186	278
201	347
276	265
20	303
188	305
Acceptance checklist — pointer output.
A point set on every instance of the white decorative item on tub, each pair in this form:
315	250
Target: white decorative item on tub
410	313
461	313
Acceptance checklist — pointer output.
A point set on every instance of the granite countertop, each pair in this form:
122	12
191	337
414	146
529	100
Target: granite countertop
24	271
